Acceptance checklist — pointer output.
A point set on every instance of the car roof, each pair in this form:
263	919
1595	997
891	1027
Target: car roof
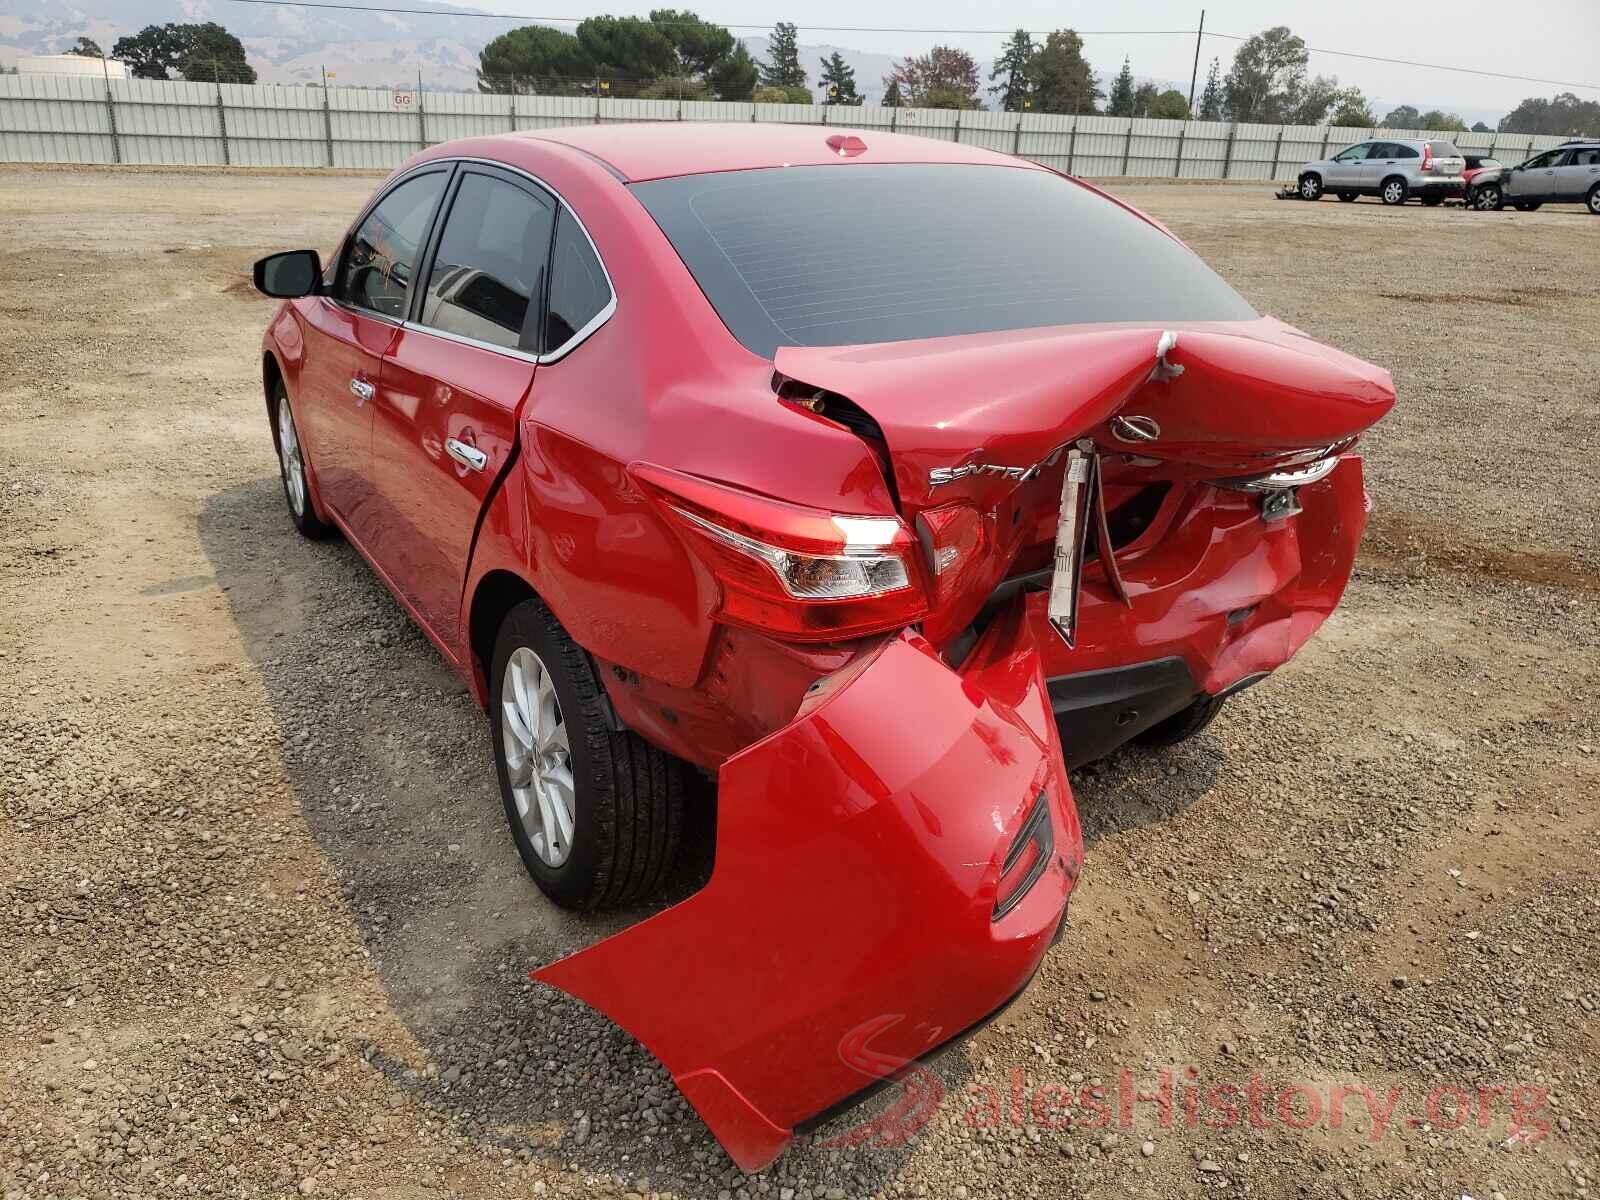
658	150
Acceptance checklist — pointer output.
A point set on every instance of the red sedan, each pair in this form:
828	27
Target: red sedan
865	472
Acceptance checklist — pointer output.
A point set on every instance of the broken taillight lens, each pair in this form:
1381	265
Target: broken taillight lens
793	570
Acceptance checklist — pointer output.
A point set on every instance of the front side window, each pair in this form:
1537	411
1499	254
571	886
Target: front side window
844	255
381	257
1354	154
1542	161
488	272
579	293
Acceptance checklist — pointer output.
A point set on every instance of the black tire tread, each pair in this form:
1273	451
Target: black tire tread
308	523
635	792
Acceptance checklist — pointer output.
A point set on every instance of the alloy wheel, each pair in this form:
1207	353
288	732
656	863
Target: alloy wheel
1310	189
1393	192
1594	200
538	756
1488	198
294	470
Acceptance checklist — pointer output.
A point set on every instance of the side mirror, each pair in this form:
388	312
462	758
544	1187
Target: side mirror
289	275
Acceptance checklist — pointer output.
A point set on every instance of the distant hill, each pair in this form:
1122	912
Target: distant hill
292	45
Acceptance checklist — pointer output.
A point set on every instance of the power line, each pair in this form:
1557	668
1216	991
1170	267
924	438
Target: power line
1232	37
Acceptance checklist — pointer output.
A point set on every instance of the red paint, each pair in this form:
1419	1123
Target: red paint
863	821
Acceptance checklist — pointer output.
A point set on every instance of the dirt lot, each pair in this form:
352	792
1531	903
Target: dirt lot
266	933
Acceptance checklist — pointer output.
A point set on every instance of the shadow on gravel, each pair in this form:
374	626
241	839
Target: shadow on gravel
391	763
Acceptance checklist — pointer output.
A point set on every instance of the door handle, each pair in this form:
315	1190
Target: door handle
468	456
362	390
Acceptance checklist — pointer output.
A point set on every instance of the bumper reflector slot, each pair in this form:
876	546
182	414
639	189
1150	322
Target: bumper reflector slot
1026	860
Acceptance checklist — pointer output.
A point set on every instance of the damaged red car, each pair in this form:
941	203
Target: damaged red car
876	477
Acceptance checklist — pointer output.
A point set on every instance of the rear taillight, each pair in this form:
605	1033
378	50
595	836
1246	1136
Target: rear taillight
792	570
1027	858
1427	159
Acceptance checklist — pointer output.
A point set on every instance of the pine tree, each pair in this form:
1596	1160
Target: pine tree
783	49
891	95
838	81
1211	98
1121	102
1014	70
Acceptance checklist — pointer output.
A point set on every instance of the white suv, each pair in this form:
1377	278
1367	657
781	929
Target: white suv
1569	174
1392	170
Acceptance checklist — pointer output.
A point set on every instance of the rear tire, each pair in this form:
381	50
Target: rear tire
1529	206
1311	186
1393	190
1593	200
1182	725
1348	197
292	468
623	799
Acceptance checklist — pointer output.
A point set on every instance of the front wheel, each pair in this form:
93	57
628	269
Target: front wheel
1310	186
292	467
1487	198
1183	725
1394	191
596	813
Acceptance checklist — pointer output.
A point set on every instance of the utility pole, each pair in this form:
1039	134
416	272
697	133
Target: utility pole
1194	72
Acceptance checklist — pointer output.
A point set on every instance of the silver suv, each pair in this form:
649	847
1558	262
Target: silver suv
1569	174
1394	171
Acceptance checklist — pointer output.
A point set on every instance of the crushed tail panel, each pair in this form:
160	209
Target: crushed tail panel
859	850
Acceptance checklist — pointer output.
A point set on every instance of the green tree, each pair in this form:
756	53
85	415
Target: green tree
1267	78
534	59
205	52
1062	80
1169	105
1212	98
772	94
1351	110
1014	70
1143	97
1480	127
1120	103
1564	115
838	81
891	94
783	49
676	87
86	47
1403	117
627	52
700	46
1310	105
945	77
734	78
1442	122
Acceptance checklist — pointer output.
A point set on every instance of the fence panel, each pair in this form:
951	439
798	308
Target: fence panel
55	119
84	119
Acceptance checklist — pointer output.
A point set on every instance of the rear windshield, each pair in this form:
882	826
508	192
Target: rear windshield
1444	150
845	255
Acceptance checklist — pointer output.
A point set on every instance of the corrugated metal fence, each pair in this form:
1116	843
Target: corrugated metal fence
71	119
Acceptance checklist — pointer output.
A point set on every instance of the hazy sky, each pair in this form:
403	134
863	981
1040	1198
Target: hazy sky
1550	39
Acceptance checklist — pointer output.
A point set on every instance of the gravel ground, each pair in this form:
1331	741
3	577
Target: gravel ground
268	936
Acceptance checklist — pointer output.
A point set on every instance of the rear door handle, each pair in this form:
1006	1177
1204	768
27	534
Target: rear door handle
362	390
468	456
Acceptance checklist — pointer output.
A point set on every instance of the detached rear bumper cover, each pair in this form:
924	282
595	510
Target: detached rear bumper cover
859	850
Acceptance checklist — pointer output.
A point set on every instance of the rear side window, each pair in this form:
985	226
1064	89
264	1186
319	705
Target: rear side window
843	255
488	273
1406	152
580	295
1443	150
381	258
1586	158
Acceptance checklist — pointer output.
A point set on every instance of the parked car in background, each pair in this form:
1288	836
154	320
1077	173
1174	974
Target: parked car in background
846	467
1394	171
1477	164
1568	174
